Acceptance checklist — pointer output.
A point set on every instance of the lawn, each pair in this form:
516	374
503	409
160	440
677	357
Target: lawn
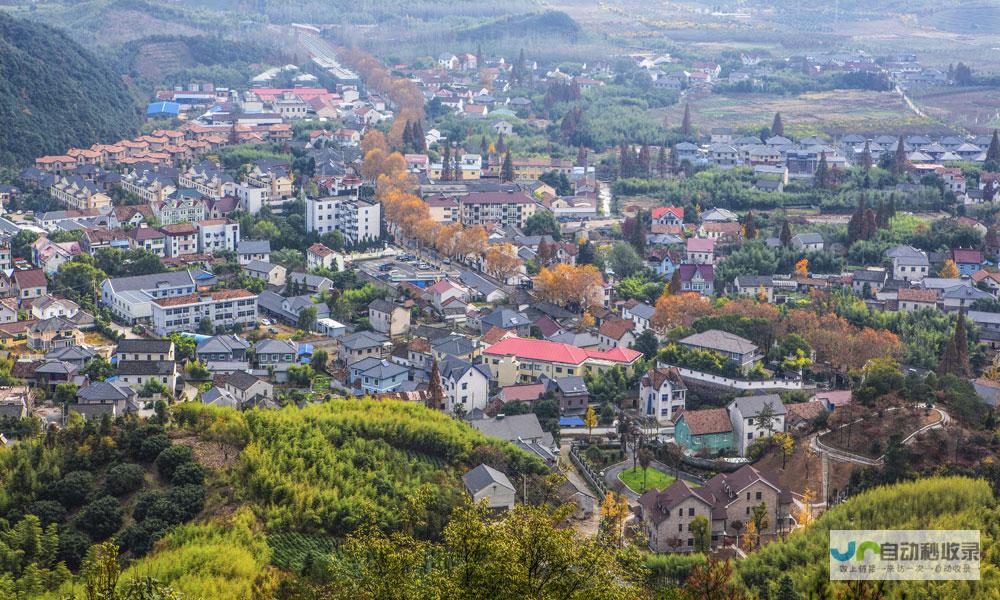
654	479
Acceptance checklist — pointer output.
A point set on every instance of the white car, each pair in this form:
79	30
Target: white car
265	322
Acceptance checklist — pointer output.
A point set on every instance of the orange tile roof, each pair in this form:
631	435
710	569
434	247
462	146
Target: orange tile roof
215	296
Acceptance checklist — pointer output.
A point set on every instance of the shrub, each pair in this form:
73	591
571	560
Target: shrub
73	547
101	518
72	490
171	458
139	538
124	479
144	502
190	499
188	473
47	511
151	447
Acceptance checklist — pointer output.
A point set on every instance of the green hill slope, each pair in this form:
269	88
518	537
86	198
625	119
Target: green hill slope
54	94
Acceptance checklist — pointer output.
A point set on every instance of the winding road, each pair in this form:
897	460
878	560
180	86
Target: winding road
612	480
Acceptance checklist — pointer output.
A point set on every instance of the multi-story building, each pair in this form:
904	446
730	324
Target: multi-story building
149	239
79	193
273	176
185	313
521	360
443	209
531	168
357	220
217	235
183	209
662	393
496	208
181	239
130	297
208	180
149	185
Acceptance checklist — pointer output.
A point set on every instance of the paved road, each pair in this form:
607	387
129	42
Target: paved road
612	481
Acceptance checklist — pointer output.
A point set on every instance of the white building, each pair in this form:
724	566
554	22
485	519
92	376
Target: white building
357	220
466	386
745	414
185	313
130	297
216	235
662	393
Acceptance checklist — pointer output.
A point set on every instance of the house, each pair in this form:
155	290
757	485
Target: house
48	307
52	333
14	402
485	483
507	320
151	240
250	250
700	251
74	355
807	242
524	360
662	394
307	283
523	431
572	393
138	373
271	274
376	376
388	318
360	345
908	264
833	399
101	398
988	390
454	345
801	415
697	278
466	386
968	261
289	310
248	390
668	215
740	351
616	333
746	413
30	283
724	500
319	256
442	292
8	310
144	349
911	299
641	315
49	255
873	279
223	349
706	431
961	297
756	286
718	215
481	288
272	353
181	239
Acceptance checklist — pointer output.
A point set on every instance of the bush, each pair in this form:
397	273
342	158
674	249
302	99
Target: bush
139	538
73	546
101	518
145	501
171	458
188	473
165	510
47	511
124	479
71	491
190	499
151	447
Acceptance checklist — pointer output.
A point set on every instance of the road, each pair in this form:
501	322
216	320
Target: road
611	478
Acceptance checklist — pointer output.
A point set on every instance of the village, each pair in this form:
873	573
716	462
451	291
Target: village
730	362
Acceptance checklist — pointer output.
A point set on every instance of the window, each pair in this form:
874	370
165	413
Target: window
680	527
748	510
691	512
690	541
749	435
759	495
748	495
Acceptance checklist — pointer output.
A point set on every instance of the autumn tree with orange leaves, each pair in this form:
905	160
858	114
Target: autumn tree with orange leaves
680	310
501	261
564	284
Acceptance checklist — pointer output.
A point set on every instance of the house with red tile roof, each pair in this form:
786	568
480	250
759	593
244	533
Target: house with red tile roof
524	360
668	215
616	333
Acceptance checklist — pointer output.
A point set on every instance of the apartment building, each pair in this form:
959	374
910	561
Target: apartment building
222	308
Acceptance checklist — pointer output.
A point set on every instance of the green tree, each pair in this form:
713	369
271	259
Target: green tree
647	343
184	346
542	222
205	326
702	531
507	169
786	234
777	127
307	319
821	178
761	520
686	128
624	260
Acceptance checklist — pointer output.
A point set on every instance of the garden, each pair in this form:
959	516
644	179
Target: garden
641	480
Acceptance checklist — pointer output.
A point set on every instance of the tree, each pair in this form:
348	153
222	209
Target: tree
624	260
785	589
680	310
435	393
955	357
949	270
702	531
614	511
777	127
993	152
647	343
786	234
765	418
590	420
821	178
307	319
507	169
675	286
866	158
899	162
100	572
714	580
802	268
686	121
760	519
786	444
205	326
661	162
582	285
101	518
446	163
645	457
542	222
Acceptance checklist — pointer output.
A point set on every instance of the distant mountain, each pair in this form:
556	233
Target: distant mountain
55	95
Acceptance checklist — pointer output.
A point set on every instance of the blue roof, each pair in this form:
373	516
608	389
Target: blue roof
305	349
570	422
170	108
204	275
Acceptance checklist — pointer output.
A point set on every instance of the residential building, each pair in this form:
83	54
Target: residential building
373	375
388	318
139	373
662	394
140	349
704	431
911	299
217	235
319	256
700	251
222	308
357	220
808	242
248	390
466	386
149	239
226	348
697	278
750	415
360	345
130	298
101	398
515	359
908	264
30	283
250	250
616	333
48	307
496	208
524	431
740	351
485	483
180	239
55	332
271	274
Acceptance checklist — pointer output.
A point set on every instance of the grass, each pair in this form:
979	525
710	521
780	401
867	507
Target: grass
655	479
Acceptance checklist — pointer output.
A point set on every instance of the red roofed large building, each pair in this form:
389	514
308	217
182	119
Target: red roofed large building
522	360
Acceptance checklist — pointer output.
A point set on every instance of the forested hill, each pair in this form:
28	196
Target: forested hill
55	95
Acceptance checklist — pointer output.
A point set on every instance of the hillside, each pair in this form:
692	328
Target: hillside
54	94
936	503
